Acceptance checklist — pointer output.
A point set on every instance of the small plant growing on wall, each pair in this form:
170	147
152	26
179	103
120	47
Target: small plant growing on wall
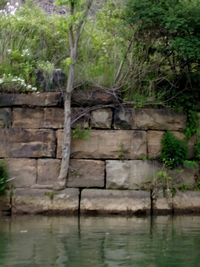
3	177
174	151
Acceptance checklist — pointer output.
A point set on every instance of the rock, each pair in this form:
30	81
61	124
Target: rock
92	96
5	118
132	174
162	204
124	118
159	119
32	118
148	119
107	145
185	177
38	201
47	171
50	82
21	143
186	202
86	173
115	202
35	118
33	99
101	118
23	171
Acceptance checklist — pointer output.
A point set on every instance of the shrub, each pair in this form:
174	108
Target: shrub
197	150
174	151
3	177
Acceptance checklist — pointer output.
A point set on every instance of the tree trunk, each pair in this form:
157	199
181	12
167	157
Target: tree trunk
66	145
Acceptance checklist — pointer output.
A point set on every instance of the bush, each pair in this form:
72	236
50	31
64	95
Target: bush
174	151
168	33
3	177
197	150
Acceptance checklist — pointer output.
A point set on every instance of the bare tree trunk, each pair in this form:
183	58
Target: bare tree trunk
66	146
74	36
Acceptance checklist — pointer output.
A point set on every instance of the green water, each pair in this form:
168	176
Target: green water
100	242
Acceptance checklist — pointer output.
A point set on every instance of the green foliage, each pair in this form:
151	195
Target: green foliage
173	151
167	36
3	177
81	133
190	164
28	38
197	150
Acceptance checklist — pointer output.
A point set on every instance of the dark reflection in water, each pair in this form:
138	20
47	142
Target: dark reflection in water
100	242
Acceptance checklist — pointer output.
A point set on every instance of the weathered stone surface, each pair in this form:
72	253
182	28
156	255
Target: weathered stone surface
34	118
47	171
162	204
28	118
101	118
148	119
21	143
108	145
5	118
154	143
159	119
185	177
186	202
23	171
53	118
80	117
92	97
132	174
86	173
124	118
34	99
115	201
37	201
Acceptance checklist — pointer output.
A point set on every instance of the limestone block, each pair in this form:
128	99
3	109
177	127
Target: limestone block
115	201
108	145
132	174
92	96
101	118
80	118
28	118
53	118
86	173
26	143
186	202
23	171
47	171
124	118
154	142
34	118
159	119
5	117
185	177
38	201
34	99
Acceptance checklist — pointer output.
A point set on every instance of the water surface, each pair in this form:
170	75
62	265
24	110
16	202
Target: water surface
100	242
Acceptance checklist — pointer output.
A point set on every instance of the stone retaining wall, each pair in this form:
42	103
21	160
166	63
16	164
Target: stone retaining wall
108	170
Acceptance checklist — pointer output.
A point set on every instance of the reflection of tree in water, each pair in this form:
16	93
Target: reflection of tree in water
100	242
3	247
